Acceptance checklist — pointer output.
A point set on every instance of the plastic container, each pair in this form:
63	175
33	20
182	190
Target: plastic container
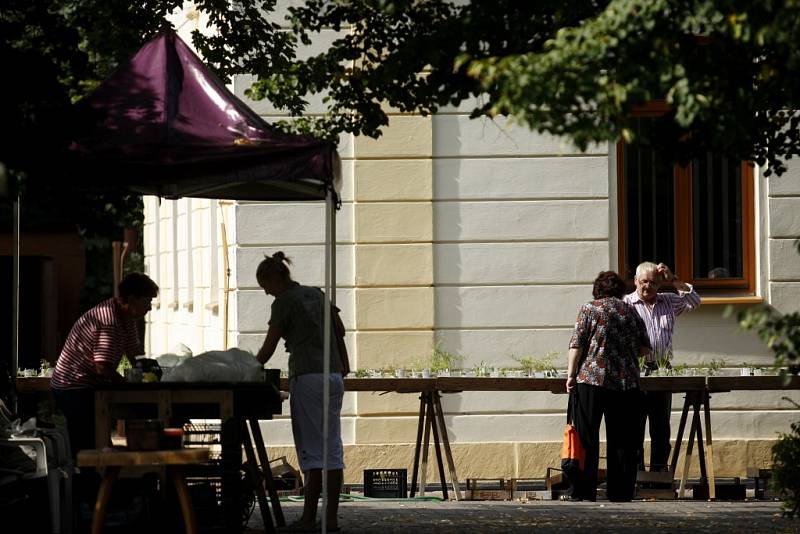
386	483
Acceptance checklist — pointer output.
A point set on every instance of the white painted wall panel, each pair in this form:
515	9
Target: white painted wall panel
519	221
784	260
512	306
785	296
788	183
496	346
784	217
460	136
519	263
308	264
520	178
289	223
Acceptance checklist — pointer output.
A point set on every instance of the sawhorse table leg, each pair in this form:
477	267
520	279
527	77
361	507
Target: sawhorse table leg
446	443
263	458
431	418
695	399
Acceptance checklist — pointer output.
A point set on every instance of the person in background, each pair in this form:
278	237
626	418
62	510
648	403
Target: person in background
93	350
658	310
297	316
603	376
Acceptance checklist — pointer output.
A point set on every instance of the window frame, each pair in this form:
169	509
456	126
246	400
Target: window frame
684	218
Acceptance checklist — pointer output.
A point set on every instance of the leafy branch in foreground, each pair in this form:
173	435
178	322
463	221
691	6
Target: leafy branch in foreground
779	331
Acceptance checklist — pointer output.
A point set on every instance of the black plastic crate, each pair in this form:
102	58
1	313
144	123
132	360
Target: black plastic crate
386	483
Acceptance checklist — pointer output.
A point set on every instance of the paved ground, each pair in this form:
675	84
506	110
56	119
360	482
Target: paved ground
386	517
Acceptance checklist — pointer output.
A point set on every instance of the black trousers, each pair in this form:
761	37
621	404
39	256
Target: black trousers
657	407
622	416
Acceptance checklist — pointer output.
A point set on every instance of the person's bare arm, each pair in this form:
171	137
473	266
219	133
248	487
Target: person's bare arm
270	344
572	368
108	371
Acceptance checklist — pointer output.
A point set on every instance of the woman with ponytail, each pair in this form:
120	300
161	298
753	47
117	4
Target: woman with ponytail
297	316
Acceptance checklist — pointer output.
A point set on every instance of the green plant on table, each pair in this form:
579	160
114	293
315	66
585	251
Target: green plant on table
547	363
713	366
680	370
528	363
442	359
361	373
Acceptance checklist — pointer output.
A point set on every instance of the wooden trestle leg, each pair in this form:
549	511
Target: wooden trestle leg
269	482
446	442
418	445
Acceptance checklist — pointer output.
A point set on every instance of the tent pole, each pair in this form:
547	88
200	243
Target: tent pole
326	355
15	252
332	219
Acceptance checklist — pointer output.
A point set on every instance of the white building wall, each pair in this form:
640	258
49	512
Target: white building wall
478	233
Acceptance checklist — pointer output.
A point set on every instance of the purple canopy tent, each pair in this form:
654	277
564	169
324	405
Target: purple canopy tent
165	125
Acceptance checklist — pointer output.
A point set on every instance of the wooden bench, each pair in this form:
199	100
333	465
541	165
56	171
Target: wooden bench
112	461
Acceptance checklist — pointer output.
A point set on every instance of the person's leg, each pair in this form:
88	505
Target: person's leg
335	450
311	493
588	414
660	410
77	405
335	479
622	445
306	405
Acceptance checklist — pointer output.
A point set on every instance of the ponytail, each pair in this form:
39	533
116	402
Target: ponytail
275	265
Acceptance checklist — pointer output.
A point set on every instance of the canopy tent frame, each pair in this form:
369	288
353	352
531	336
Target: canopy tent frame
169	157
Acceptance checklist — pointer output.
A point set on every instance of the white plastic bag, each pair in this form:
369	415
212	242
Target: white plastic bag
232	365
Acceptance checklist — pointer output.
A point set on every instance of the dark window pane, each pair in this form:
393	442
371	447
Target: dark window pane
649	200
717	217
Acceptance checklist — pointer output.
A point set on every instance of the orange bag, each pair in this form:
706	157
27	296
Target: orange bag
572	448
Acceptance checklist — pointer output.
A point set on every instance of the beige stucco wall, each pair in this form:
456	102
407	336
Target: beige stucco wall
481	236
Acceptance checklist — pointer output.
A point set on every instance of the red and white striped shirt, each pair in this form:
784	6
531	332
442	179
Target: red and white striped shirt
660	318
102	334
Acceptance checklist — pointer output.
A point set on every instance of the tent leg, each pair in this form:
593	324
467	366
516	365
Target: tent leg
15	252
326	355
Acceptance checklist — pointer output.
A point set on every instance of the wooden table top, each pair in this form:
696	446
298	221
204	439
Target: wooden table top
452	384
122	458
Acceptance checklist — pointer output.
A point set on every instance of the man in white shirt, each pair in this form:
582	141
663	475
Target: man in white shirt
658	310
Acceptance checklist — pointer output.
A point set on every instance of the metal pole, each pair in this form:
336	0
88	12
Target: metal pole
15	252
326	355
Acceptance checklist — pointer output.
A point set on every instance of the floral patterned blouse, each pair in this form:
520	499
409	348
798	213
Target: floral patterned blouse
610	333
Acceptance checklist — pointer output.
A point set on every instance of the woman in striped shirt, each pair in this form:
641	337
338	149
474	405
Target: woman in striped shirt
92	352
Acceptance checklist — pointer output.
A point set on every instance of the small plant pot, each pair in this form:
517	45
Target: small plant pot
746	371
400	373
494	374
426	373
445	373
758	372
538	374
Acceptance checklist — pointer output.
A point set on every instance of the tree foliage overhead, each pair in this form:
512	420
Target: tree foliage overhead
53	53
727	68
572	68
403	54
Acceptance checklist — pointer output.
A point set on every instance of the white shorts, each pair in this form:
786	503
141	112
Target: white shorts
305	402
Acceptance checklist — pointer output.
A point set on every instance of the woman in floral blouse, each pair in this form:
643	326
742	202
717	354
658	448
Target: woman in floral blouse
603	376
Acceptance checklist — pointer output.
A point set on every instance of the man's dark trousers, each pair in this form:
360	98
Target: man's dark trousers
657	408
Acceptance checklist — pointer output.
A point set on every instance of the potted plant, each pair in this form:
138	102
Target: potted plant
712	367
528	366
361	373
